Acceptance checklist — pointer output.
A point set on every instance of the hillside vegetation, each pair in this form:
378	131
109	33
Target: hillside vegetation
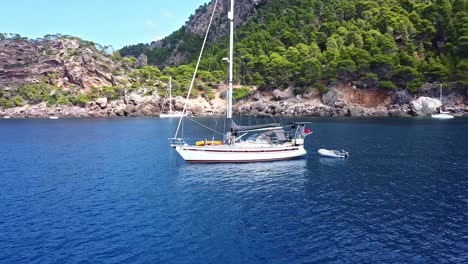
387	44
66	70
391	44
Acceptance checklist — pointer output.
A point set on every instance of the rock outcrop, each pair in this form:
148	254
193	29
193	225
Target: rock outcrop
425	106
132	104
198	24
102	102
63	62
333	96
243	9
402	97
282	95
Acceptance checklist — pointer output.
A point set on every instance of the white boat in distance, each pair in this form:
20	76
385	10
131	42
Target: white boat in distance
442	114
265	142
171	113
53	117
333	153
6	117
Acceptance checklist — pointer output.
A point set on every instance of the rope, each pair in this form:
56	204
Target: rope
164	100
212	130
196	69
214	42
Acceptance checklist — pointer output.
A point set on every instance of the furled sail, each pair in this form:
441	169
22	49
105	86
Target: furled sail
237	128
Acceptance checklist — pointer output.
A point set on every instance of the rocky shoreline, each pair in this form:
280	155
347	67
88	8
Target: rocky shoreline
340	101
120	109
131	105
346	101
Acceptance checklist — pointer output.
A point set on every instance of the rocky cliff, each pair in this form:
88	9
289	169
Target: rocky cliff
337	100
64	61
176	49
243	9
345	100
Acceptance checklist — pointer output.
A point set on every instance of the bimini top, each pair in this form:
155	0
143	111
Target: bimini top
237	128
300	123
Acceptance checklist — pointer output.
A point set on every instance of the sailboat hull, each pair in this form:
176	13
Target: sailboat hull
442	116
173	115
234	154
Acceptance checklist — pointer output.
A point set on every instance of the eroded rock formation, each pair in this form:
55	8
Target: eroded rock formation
63	62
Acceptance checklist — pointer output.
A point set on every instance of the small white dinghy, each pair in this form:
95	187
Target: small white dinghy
442	115
333	153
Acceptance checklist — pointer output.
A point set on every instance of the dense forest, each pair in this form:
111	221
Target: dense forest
391	44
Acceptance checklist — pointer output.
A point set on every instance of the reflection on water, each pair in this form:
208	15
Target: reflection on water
243	172
332	161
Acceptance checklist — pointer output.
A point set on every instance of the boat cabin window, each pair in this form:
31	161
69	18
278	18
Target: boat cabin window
252	137
259	138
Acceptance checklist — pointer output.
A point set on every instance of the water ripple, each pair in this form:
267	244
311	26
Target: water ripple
108	191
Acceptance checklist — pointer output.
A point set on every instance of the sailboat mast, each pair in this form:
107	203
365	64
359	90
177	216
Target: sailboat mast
170	94
231	59
440	93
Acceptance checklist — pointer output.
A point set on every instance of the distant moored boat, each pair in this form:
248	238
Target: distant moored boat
441	114
172	113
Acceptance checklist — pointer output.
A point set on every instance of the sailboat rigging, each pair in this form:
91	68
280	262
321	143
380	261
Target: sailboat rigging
268	142
441	114
171	113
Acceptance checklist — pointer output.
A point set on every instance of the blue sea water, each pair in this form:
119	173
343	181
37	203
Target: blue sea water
112	191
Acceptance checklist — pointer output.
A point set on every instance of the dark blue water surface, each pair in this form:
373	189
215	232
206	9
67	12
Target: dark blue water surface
112	191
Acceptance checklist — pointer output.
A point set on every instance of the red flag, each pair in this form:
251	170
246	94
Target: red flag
307	131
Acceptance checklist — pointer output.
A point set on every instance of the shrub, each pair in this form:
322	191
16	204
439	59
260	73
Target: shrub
381	64
209	94
111	92
18	100
73	52
322	88
51	101
415	84
6	103
387	85
130	62
345	66
80	100
194	94
63	100
240	93
372	76
206	76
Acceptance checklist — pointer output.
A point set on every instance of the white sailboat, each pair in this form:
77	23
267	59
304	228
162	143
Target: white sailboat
267	142
171	113
442	114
